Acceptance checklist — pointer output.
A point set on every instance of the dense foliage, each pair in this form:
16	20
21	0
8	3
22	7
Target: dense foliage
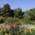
25	17
8	15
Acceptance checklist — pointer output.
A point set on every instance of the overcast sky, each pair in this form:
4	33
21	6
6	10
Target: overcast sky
24	4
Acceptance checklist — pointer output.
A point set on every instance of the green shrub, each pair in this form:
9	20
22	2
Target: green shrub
1	21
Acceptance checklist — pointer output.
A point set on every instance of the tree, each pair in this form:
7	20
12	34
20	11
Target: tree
5	9
29	16
18	12
0	11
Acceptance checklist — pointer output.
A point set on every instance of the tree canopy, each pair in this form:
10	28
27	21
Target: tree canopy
27	16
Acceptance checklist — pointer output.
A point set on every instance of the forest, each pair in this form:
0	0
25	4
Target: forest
18	14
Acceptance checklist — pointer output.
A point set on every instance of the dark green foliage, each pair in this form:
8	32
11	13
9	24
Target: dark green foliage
28	16
1	21
7	11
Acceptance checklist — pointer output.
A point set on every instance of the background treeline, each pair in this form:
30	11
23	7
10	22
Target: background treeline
7	11
24	16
